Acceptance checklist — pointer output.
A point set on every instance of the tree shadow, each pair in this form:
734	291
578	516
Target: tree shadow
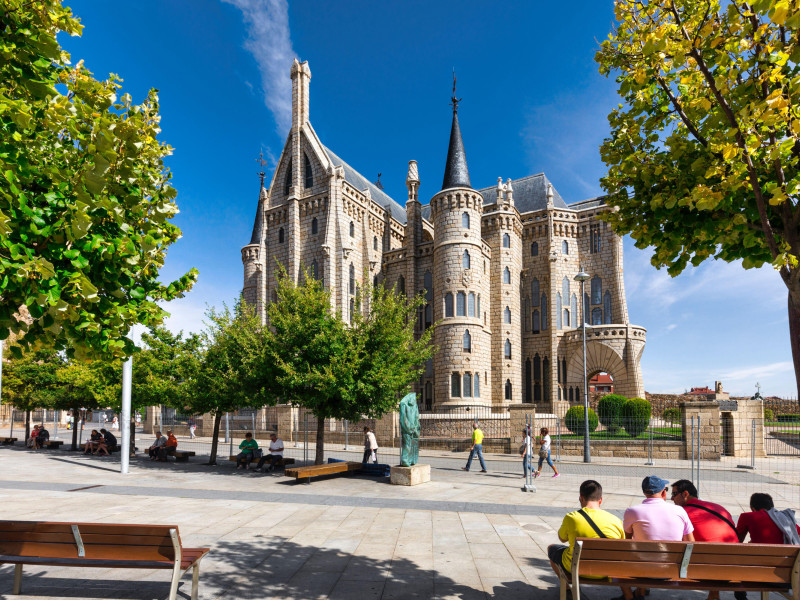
265	566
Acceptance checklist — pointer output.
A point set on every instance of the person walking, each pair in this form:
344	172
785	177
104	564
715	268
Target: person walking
370	447
544	452
192	428
477	448
525	451
115	424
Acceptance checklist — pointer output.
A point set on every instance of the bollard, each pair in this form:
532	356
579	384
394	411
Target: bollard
650	449
12	424
227	427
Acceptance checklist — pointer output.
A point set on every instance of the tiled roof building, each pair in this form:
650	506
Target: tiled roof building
496	265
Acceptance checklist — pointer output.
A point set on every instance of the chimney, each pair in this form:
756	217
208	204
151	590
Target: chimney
301	76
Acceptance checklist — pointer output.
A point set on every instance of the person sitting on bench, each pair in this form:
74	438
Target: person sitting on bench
169	447
91	444
41	438
275	453
248	449
31	443
107	444
158	444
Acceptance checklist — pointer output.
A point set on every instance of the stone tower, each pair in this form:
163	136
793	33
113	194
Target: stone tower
252	291
461	278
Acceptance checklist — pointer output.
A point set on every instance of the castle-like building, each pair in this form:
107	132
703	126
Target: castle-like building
496	266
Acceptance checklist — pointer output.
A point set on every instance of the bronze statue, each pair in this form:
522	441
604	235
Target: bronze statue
409	431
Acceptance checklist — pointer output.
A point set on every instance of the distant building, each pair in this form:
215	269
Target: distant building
601	383
700	391
496	266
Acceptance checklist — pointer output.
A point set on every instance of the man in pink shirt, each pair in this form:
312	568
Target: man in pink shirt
656	520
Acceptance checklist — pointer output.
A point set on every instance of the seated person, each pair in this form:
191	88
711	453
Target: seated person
169	446
589	522
157	445
31	443
107	443
94	440
247	449
42	437
275	453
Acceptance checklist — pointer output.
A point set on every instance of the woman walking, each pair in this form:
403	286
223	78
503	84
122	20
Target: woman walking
544	452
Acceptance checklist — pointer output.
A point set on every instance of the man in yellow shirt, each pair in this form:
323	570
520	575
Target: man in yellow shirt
582	523
477	447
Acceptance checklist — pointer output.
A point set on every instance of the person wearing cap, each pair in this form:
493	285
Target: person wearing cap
655	520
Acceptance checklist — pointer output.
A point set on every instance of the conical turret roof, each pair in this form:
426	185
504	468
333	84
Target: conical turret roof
258	224
456	173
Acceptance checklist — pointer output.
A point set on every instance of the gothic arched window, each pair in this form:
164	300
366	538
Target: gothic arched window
465	220
565	288
448	304
544	312
471	304
507	349
507	315
401	284
352	280
508	389
607	308
280	235
506	275
455	385
375	243
465	260
565	247
586	308
506	241
597	290
478	306
477	382
461	304
466	342
566	317
536	323
309	179
535	249
535	292
467	386
314	226
287	182
574	309
597	316
314	269
558	310
352	229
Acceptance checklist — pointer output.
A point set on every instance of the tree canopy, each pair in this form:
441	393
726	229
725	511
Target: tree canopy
338	369
85	198
703	155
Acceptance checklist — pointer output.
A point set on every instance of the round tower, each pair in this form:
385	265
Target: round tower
252	290
461	283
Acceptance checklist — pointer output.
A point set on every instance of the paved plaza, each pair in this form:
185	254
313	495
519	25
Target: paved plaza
463	535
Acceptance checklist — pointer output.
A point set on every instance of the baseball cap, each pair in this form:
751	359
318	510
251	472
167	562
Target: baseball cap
653	484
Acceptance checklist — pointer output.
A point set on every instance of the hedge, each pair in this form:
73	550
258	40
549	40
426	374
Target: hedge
609	411
636	416
574	420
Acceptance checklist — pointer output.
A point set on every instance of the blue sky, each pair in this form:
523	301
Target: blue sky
533	102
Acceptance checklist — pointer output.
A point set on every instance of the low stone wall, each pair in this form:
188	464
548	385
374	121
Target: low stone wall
624	448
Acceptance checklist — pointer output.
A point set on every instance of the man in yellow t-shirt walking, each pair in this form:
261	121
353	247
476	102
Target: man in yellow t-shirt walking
477	447
589	521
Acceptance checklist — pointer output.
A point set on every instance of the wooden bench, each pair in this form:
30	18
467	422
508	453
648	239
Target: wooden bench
54	444
181	455
761	568
99	545
281	463
110	450
7	441
336	468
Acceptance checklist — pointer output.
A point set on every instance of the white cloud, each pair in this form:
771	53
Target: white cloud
671	326
269	41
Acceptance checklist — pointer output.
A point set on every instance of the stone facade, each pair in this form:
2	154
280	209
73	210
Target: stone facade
497	266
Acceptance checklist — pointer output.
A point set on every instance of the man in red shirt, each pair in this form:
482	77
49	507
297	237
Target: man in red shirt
759	524
712	523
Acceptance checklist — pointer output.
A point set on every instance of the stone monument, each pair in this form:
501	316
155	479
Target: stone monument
409	472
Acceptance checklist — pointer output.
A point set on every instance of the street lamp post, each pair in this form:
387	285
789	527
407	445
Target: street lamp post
583	277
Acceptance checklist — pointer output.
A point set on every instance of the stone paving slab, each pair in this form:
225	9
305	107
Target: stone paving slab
462	536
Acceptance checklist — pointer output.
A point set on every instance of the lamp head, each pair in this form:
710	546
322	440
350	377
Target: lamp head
582	276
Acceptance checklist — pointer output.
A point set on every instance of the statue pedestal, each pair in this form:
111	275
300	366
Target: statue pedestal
413	475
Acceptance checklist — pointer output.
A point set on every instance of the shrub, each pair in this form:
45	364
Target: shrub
609	411
673	415
636	416
787	418
769	415
574	420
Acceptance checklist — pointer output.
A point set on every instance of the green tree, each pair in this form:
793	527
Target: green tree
226	372
342	370
85	199
703	156
609	411
31	381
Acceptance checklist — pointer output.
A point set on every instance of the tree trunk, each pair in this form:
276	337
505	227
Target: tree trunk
27	425
319	457
74	429
794	338
212	460
133	435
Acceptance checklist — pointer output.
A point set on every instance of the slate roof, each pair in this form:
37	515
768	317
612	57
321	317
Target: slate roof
530	194
456	173
258	224
358	181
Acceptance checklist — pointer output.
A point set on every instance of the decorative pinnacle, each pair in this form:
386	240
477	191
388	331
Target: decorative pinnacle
262	163
454	101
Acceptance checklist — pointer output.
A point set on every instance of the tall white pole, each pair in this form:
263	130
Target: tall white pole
587	452
125	417
1	372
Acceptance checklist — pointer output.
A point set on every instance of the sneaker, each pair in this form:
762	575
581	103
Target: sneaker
556	475
483	470
464	469
535	475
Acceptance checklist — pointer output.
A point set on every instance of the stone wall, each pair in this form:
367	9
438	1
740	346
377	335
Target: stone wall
625	449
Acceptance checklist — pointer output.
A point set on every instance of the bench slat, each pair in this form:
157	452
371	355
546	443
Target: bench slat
88	539
740	573
161	531
600	568
783	560
96	551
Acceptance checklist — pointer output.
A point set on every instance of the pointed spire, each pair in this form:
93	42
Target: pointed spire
258	224
456	173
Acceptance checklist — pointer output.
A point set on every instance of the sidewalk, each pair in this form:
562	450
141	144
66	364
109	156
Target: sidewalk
463	535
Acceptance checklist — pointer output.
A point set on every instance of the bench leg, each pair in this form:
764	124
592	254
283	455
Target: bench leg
195	580
17	580
176	579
